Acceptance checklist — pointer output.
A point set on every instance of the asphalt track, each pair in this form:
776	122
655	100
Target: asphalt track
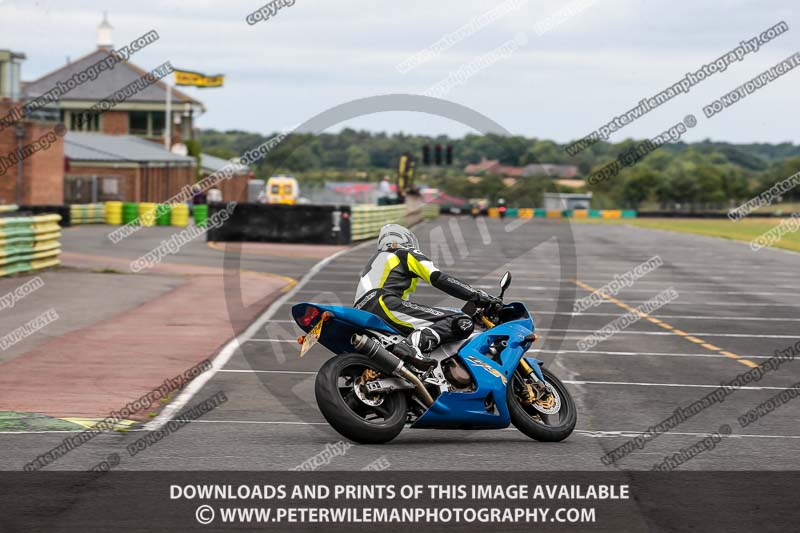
734	308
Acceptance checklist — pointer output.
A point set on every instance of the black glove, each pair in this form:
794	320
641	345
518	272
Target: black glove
482	299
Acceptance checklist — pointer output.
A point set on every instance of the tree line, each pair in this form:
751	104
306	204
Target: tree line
688	176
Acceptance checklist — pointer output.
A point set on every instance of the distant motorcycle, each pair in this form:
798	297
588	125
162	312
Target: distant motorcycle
367	394
501	208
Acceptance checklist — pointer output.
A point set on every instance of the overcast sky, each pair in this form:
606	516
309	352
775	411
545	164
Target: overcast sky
559	85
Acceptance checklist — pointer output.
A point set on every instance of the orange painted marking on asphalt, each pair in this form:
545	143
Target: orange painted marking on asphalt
679	332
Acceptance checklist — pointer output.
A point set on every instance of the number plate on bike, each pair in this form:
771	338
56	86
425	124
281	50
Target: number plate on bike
311	338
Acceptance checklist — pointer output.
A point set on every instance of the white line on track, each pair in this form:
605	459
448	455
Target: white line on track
248	371
636	384
582	432
659	354
349	282
604	302
637	332
570	382
734	277
224	355
691	317
625	332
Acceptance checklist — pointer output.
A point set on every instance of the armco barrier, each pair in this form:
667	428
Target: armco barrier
317	224
367	220
29	243
63	211
87	214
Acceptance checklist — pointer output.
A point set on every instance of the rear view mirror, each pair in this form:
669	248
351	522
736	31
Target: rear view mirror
505	282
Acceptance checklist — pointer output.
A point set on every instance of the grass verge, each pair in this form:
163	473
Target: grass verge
744	230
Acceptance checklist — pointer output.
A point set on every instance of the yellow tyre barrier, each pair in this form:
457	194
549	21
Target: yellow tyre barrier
179	215
612	213
147	214
430	211
86	214
366	221
29	243
114	213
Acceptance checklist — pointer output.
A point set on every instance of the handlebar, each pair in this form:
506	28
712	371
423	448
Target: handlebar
478	314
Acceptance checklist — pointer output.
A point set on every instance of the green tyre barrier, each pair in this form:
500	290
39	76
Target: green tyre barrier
163	215
200	215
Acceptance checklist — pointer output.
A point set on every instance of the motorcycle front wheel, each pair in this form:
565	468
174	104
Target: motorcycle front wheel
350	409
550	418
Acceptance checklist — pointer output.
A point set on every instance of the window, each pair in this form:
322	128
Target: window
275	189
82	120
158	123
137	124
287	189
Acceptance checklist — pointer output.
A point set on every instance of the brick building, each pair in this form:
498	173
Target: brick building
142	113
103	167
115	154
38	178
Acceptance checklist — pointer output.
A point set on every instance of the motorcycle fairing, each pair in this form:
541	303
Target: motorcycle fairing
346	320
486	406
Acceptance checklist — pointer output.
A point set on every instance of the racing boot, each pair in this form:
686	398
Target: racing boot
410	350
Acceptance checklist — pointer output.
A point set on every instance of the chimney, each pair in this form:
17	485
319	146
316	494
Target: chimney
104	33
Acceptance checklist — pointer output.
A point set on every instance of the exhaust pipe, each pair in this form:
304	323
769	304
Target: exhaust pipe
389	363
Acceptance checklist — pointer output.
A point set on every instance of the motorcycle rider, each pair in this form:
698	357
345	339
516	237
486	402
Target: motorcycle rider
388	279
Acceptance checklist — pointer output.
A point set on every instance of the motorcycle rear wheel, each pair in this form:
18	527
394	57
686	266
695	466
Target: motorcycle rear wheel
347	413
535	424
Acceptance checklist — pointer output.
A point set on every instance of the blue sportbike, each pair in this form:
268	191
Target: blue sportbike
367	394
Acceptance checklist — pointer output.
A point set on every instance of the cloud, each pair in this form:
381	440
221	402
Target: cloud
315	55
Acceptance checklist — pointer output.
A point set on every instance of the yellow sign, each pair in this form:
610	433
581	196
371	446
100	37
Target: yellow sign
195	79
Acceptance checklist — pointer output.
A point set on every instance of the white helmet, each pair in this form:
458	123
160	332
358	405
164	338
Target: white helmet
396	236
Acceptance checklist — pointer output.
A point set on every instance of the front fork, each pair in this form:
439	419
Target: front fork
524	367
534	387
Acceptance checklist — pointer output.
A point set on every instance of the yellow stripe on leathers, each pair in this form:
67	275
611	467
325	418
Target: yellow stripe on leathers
391	316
